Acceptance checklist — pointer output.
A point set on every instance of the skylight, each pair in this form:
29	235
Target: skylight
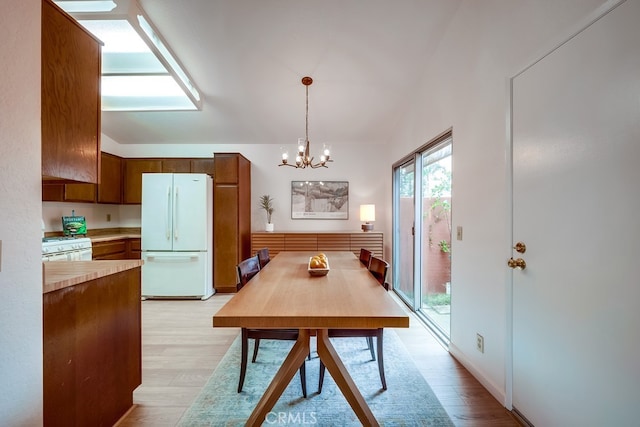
87	6
139	71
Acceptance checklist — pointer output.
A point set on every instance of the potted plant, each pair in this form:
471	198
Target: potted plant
266	203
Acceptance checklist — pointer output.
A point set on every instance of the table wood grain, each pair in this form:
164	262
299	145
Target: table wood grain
285	295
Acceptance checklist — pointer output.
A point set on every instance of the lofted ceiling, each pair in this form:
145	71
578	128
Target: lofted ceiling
248	57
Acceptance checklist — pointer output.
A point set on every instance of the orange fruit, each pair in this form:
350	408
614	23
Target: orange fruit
315	263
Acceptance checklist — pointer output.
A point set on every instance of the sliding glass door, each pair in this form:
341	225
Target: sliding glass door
404	226
436	236
422	249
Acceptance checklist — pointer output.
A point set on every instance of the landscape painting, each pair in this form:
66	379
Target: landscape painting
319	200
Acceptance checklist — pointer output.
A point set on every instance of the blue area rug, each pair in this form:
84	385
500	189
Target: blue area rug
408	400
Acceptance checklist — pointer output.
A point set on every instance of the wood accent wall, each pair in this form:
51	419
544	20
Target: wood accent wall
92	358
321	242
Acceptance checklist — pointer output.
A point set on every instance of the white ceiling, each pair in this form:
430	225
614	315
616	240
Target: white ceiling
247	57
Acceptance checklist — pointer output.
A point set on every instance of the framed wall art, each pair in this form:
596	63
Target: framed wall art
319	200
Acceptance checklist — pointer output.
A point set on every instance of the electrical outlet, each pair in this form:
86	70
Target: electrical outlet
480	343
108	217
459	232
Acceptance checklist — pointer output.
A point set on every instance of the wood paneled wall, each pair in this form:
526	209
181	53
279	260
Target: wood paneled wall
321	242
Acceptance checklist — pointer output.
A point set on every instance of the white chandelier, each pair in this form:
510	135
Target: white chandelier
303	159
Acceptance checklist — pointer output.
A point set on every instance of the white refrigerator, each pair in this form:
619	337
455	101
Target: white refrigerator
177	235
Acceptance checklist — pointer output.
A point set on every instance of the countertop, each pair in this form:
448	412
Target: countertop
61	274
115	236
105	234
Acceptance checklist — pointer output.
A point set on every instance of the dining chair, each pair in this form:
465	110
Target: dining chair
247	269
263	256
365	257
378	269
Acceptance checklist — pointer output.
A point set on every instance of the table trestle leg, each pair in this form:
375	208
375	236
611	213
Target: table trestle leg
336	368
290	366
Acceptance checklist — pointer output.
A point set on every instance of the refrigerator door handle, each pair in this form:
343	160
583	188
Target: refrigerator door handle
168	216
171	258
175	213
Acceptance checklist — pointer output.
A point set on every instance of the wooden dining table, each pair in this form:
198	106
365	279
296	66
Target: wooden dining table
283	295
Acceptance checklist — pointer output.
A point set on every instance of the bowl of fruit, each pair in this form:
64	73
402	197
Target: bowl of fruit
318	265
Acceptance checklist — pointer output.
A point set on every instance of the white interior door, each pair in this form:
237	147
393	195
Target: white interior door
576	169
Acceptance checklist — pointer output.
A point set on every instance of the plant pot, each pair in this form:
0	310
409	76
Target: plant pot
268	227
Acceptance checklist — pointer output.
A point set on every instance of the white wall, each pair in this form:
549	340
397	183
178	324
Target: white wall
20	200
465	88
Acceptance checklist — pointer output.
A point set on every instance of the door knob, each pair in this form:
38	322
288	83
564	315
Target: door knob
520	247
517	263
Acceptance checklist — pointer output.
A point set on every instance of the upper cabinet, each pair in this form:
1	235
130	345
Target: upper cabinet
202	166
133	170
71	67
121	179
108	191
110	187
176	166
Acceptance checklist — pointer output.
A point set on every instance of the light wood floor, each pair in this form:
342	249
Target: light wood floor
181	349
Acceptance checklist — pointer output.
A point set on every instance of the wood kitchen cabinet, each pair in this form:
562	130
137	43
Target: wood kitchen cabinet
125	248
68	192
134	168
231	217
176	165
110	187
70	93
121	179
202	166
132	176
134	248
108	191
91	345
111	249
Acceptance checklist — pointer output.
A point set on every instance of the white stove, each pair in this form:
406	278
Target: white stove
64	248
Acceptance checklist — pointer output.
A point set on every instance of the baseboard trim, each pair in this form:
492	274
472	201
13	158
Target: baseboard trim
521	418
496	391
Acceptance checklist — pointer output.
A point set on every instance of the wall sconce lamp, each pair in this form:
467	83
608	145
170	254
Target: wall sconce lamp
367	213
